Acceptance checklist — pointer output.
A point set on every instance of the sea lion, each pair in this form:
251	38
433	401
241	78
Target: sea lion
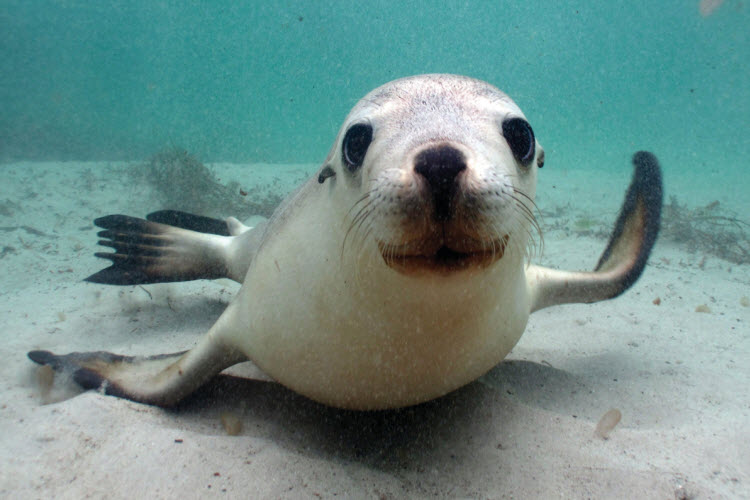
395	275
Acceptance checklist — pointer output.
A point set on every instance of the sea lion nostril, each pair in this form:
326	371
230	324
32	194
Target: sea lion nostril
440	166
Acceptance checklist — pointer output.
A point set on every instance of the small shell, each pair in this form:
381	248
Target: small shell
232	423
607	423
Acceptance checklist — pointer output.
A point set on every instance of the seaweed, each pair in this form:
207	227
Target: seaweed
710	229
184	183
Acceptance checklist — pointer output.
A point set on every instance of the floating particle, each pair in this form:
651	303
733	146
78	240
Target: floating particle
744	301
703	308
681	494
707	7
45	377
657	301
607	423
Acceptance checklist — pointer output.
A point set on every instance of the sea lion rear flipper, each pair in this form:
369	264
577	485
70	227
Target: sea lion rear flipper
150	251
161	380
623	260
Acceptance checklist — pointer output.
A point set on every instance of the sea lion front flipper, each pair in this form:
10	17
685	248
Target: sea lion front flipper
623	260
161	380
171	246
192	222
147	251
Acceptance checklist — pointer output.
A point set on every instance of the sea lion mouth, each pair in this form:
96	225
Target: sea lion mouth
444	260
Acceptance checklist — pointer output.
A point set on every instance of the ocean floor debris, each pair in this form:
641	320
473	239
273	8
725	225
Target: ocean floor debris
709	229
608	422
184	183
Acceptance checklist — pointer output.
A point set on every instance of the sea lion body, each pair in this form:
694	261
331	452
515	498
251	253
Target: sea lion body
395	275
359	336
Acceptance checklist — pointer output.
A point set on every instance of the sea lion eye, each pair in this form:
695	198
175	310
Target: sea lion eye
520	137
356	142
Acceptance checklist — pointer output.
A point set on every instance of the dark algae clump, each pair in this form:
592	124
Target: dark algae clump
184	183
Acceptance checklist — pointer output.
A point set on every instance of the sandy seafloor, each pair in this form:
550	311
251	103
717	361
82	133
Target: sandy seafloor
526	430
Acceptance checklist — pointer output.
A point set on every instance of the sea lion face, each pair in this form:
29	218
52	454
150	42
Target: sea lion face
445	172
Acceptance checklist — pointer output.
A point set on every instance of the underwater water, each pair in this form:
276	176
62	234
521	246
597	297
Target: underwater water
256	91
271	81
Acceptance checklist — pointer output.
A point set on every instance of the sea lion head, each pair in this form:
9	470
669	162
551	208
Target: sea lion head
442	171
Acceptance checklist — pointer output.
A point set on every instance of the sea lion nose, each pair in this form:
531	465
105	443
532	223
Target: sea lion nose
440	165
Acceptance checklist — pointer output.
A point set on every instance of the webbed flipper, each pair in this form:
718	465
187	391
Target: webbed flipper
161	380
626	255
148	251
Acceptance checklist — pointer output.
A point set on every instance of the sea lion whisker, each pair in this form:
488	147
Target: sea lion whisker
361	199
357	221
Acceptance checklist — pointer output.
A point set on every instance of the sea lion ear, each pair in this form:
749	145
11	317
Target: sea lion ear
325	174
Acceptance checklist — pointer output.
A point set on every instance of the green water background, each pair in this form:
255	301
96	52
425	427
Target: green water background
272	81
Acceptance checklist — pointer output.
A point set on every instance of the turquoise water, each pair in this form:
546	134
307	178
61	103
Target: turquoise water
94	88
271	81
